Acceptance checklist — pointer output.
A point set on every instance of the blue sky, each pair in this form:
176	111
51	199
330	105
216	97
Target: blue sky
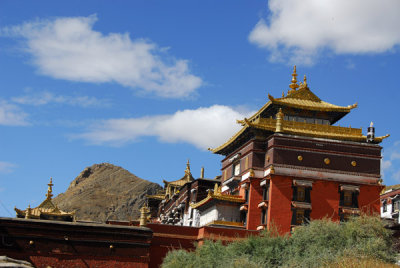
147	85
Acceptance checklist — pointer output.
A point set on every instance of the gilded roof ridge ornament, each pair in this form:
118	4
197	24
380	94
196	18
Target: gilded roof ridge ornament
279	119
304	83
49	194
270	97
355	105
187	170
28	212
217	189
144	211
294	84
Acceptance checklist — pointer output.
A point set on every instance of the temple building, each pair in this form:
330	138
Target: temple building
390	203
172	205
288	164
47	210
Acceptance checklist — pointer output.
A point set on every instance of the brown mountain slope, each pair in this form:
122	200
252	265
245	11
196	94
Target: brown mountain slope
106	192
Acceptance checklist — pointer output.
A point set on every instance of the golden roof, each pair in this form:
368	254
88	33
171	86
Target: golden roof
217	195
389	188
185	179
302	98
159	196
303	129
46	208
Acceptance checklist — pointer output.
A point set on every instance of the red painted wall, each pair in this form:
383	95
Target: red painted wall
254	213
169	237
279	205
325	200
369	199
85	261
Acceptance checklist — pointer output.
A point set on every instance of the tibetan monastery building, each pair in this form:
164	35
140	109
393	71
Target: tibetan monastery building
288	164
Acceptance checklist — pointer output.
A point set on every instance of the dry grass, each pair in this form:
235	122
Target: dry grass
359	263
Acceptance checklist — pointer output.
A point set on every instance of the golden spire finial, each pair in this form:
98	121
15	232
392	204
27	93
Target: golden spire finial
294	84
49	194
187	171
305	80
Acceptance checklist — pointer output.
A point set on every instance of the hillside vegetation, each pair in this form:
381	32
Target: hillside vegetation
361	242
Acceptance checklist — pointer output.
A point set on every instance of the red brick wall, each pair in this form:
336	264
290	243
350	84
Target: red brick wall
279	205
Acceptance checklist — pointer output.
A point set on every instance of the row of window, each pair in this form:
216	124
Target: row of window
348	198
395	205
306	120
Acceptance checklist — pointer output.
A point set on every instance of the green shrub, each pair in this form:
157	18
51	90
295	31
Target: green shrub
322	243
366	236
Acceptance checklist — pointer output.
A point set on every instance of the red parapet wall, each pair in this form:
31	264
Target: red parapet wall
85	261
172	237
73	244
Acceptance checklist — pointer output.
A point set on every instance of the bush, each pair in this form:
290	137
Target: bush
322	243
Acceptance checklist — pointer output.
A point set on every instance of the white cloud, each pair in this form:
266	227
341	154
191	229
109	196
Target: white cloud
11	115
204	127
6	167
391	163
296	31
69	48
386	164
45	97
396	175
395	155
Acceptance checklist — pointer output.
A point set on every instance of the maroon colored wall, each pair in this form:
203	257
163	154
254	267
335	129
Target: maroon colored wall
72	244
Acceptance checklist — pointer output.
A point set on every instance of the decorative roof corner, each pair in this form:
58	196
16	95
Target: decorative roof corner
355	105
381	138
272	98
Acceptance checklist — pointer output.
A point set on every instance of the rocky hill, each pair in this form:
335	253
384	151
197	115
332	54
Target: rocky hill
106	192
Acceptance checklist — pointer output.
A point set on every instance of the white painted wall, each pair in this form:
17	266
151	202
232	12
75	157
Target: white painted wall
219	213
208	215
388	213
